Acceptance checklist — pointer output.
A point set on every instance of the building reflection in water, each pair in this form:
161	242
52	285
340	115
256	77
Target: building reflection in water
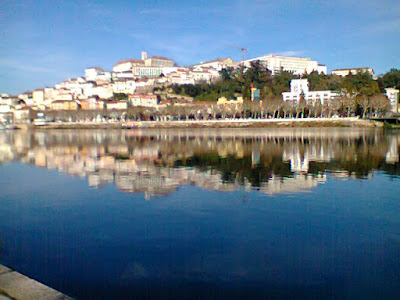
157	162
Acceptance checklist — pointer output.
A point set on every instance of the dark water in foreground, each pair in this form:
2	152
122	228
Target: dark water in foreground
227	214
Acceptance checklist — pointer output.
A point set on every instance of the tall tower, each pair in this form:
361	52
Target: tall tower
144	55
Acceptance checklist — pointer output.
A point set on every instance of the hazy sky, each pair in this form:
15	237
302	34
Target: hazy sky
45	42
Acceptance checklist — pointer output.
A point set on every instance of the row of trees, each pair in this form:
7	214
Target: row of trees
274	107
344	106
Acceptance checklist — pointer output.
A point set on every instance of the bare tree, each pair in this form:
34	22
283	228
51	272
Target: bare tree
364	101
379	105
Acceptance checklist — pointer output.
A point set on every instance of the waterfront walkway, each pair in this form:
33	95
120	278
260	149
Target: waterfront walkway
15	286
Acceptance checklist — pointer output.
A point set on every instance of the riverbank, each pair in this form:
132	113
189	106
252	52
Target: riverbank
236	123
15	286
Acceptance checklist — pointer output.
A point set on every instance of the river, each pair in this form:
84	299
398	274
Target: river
203	213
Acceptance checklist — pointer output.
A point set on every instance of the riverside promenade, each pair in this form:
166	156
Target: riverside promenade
15	286
224	123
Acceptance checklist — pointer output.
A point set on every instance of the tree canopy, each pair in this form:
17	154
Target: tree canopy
239	81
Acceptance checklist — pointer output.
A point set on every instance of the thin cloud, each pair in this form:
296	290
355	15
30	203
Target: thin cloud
291	53
157	12
97	10
387	26
169	12
18	65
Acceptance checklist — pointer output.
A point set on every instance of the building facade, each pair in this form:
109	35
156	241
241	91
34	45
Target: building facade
97	74
217	64
159	61
65	105
38	97
126	65
144	100
145	67
143	71
297	65
393	96
116	105
353	71
300	88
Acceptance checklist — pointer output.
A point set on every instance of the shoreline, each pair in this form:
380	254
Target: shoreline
237	123
14	286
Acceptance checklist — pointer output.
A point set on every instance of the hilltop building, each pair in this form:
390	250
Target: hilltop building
217	64
353	71
297	65
144	67
300	87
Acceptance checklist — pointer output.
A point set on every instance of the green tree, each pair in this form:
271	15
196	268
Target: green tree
390	79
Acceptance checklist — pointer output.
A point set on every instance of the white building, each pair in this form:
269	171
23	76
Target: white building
124	87
300	87
168	70
26	97
127	75
126	65
116	105
146	67
393	96
158	61
9	100
180	76
146	71
144	100
297	65
38	97
103	92
217	64
5	108
353	71
97	74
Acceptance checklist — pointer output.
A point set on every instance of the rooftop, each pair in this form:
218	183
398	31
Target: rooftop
160	57
131	60
219	59
347	69
96	68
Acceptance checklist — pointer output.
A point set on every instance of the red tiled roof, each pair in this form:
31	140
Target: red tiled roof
136	61
160	57
221	59
97	68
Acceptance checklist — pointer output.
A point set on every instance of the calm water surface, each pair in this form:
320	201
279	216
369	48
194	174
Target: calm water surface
209	214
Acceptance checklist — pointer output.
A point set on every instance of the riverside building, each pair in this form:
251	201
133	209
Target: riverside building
393	96
300	87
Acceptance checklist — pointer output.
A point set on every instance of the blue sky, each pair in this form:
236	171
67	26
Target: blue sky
45	42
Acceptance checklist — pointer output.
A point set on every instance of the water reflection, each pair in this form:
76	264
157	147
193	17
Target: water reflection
157	162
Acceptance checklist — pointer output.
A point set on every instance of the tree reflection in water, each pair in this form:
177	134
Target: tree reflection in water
157	162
